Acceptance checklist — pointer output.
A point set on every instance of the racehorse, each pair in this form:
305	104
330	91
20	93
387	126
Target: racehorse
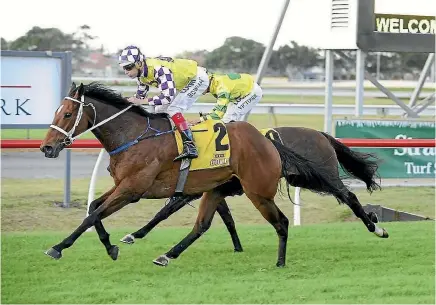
142	166
316	146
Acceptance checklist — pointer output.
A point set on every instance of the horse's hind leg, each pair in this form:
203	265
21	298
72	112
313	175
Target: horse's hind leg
173	206
277	219
208	206
368	219
224	211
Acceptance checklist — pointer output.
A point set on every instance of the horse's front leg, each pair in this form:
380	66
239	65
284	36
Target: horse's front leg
118	199
129	190
103	235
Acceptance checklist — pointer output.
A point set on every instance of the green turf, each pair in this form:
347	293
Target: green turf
336	263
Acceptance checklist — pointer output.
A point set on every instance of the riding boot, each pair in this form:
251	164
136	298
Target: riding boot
189	148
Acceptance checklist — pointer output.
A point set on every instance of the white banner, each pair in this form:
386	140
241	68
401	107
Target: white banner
30	89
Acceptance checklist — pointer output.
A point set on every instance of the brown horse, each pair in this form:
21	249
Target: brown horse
143	149
317	147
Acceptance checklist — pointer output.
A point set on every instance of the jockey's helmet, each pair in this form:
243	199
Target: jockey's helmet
131	55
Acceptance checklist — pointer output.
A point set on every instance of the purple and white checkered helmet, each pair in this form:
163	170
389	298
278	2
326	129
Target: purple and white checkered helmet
130	55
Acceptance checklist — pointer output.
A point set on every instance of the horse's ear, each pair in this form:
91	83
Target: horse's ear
81	90
72	88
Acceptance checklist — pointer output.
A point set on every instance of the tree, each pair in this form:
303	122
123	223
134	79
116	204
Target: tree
3	44
199	56
43	39
299	56
237	54
53	39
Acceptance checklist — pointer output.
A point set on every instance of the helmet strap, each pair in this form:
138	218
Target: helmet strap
139	64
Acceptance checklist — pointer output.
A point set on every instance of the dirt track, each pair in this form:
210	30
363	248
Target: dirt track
33	165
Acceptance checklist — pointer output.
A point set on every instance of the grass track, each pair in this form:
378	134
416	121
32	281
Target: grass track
336	263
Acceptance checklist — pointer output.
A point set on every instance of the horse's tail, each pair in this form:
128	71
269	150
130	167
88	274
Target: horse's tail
362	166
300	171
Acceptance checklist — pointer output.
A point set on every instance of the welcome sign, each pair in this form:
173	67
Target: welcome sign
405	24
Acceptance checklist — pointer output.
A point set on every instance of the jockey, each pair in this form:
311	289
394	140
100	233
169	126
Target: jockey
180	81
236	94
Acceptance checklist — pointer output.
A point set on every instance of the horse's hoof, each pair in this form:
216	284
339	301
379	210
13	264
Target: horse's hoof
380	232
128	239
53	253
239	249
373	217
113	252
280	264
162	261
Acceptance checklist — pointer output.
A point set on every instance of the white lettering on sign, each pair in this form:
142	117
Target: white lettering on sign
420	169
405	24
415	151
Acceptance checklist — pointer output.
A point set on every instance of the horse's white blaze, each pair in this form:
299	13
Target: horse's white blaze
59	109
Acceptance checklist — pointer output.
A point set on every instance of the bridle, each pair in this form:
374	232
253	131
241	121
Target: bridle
69	139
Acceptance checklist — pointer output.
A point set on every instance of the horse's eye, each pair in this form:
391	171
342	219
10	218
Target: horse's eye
67	115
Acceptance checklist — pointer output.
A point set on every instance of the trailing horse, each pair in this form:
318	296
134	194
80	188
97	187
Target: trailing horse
316	146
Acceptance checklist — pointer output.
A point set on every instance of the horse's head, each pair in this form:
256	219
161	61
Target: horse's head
69	120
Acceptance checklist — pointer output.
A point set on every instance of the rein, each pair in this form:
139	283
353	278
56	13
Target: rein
69	139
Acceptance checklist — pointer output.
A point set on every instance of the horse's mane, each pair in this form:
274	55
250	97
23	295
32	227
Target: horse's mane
109	96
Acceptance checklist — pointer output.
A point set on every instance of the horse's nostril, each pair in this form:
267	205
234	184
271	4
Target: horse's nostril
47	149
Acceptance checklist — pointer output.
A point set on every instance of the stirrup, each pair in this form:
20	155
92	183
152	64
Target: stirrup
185	156
187	153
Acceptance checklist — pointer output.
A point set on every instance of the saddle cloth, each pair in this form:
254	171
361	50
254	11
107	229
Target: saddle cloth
271	134
212	142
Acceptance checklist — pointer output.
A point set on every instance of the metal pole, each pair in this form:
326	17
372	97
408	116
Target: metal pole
268	51
410	112
388	93
426	102
67	67
422	77
360	78
328	109
67	188
378	65
433	72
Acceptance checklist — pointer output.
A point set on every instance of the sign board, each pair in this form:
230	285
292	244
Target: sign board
32	86
370	25
415	162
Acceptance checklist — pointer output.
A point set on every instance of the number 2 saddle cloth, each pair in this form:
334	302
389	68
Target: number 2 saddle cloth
213	144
